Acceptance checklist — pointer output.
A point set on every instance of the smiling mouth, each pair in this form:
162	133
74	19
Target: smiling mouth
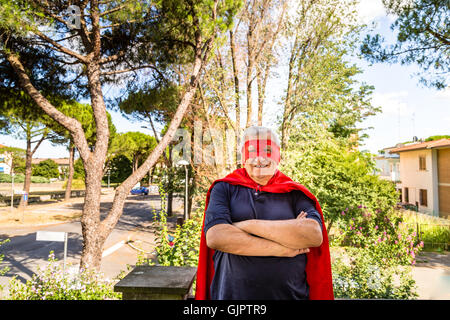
261	166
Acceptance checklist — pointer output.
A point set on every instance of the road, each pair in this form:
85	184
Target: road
132	234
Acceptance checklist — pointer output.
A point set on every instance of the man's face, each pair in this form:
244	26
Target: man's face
261	158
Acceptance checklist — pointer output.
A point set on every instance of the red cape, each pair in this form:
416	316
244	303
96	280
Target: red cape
318	266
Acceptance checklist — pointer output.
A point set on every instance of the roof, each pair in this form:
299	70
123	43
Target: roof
441	143
60	161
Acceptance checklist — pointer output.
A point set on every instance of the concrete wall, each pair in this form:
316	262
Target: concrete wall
415	179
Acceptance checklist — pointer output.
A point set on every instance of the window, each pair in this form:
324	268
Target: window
2	159
406	195
422	163
423	197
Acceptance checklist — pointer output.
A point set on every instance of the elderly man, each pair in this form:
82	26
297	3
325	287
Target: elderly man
263	234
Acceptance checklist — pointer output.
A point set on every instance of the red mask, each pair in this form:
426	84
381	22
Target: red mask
261	148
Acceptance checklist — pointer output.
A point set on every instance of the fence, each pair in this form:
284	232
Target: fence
434	236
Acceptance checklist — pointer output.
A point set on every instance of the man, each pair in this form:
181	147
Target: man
263	235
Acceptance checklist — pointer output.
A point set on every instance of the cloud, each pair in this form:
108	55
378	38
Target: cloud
392	103
370	10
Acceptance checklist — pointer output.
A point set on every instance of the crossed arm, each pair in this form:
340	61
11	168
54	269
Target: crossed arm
282	238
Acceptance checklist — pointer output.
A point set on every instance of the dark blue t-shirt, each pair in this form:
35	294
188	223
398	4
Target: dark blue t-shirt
238	277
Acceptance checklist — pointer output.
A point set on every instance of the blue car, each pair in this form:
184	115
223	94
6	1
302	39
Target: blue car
141	190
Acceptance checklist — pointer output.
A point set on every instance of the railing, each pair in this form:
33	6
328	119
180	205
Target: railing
434	236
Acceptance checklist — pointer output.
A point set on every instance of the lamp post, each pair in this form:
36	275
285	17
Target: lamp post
185	164
12	190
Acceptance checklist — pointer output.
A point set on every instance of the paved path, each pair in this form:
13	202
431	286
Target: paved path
432	275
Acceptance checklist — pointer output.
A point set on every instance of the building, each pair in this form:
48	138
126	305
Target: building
63	163
389	164
425	176
6	159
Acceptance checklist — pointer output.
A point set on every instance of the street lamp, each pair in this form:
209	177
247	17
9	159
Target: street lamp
185	164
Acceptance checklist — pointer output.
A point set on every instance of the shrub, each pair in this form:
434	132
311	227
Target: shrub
5	269
46	168
363	277
180	247
385	234
52	284
20	178
77	184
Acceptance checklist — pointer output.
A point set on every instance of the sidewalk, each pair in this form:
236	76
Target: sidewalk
432	275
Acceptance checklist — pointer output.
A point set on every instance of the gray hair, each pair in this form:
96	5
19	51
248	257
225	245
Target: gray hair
259	132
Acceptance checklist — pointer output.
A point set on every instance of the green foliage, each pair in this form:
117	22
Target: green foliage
20	178
78	169
5	269
178	248
422	39
438	137
433	232
120	169
384	234
358	274
338	177
52	284
47	168
77	184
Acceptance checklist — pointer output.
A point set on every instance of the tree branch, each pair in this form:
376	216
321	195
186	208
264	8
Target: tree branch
61	48
69	123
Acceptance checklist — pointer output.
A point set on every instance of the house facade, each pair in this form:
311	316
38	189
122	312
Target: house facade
425	176
6	159
389	164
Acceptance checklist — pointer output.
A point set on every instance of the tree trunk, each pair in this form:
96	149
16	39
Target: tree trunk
71	170
28	170
237	96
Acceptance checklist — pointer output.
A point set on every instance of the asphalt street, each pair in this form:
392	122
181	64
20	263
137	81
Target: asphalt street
23	255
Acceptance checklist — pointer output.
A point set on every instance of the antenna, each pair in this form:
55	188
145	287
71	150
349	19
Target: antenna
398	124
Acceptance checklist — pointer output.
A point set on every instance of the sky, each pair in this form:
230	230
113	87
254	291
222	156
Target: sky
408	108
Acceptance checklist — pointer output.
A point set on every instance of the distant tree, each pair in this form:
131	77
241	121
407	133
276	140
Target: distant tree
433	138
423	38
120	168
47	168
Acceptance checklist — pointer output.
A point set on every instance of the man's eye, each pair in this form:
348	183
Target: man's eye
251	149
268	149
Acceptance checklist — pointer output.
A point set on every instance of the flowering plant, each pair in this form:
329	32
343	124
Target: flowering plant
52	284
358	275
384	233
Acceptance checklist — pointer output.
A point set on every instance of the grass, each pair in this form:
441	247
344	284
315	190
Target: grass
433	231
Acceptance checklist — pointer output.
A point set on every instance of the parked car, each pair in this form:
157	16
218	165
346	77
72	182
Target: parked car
141	190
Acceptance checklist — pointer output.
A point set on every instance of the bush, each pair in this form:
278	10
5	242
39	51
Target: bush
47	168
385	234
20	178
52	284
77	184
359	275
5	269
178	248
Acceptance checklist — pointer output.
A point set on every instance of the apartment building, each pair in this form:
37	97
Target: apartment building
425	176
